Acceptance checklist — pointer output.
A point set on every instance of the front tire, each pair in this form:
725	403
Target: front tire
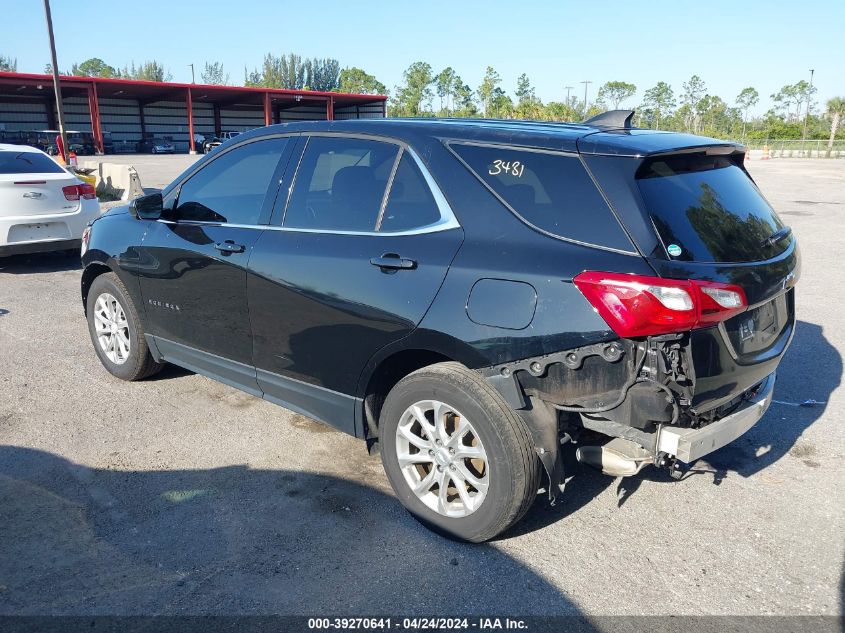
116	330
458	457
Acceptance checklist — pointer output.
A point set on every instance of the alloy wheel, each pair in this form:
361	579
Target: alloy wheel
112	328
442	458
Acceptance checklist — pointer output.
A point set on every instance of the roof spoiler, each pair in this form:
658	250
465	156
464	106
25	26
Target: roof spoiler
612	119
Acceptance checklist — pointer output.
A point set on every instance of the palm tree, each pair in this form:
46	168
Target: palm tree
836	110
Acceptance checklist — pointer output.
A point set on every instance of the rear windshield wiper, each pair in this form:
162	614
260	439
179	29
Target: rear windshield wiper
774	238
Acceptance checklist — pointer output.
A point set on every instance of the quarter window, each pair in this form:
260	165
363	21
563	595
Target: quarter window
410	204
340	184
551	191
231	188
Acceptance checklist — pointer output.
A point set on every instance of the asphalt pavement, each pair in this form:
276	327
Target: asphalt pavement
180	495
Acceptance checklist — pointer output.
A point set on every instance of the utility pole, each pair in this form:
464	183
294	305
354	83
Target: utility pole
809	98
193	81
586	83
568	88
56	87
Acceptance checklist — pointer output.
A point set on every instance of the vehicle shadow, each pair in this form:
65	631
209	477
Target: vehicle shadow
40	263
235	540
775	436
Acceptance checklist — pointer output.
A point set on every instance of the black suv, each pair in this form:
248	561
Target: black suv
465	295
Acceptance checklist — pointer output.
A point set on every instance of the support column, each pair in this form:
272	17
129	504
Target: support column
189	103
50	108
384	109
268	113
218	126
330	109
94	110
142	120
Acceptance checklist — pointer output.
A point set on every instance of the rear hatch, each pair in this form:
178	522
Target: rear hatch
31	185
712	223
715	224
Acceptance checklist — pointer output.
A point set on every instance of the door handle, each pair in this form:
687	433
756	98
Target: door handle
392	261
229	247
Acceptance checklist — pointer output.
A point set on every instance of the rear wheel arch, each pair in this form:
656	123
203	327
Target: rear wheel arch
384	376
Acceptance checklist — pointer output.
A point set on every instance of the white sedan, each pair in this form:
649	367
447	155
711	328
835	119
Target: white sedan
43	207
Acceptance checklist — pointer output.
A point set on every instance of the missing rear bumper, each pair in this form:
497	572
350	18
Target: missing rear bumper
689	445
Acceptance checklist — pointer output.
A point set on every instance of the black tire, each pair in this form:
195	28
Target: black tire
139	363
514	468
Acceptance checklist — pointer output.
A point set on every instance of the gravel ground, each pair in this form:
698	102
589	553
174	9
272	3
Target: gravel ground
180	495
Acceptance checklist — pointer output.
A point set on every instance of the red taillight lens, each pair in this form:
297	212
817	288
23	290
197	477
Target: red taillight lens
75	192
87	191
637	305
71	192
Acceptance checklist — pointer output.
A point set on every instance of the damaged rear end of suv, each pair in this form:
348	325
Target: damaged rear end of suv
689	361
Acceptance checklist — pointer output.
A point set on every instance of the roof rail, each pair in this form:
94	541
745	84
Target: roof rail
613	119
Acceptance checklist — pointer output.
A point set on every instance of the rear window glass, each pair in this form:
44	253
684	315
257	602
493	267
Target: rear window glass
707	209
550	191
27	163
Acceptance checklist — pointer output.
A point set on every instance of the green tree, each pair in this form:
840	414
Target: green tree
658	103
214	75
415	94
94	67
357	81
528	106
836	110
463	99
8	64
559	111
785	99
148	71
286	71
747	98
524	91
487	89
322	74
694	91
615	92
252	79
445	85
501	104
804	93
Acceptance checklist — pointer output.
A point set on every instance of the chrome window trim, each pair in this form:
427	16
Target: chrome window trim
388	188
520	148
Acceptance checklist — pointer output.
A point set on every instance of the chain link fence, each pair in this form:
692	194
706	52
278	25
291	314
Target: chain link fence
782	148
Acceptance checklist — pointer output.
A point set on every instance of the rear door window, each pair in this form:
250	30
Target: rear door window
27	163
549	190
340	184
707	209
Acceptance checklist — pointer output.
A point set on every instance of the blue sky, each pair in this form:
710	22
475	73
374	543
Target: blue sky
729	44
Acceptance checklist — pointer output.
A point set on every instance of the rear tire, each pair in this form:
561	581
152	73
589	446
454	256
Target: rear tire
484	496
117	332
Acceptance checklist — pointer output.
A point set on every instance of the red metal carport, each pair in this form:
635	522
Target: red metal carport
28	100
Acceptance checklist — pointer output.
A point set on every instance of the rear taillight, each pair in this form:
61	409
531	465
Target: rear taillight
637	305
75	192
71	192
87	191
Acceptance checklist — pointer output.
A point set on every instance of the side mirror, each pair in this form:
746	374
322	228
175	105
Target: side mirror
147	207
